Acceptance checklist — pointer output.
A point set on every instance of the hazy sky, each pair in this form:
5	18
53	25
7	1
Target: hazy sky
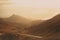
32	9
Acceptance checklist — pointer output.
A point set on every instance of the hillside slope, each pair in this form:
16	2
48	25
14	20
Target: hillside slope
46	28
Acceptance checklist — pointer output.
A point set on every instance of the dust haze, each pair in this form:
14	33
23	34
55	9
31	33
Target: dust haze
29	20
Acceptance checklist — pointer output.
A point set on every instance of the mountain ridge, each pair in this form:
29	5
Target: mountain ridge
46	28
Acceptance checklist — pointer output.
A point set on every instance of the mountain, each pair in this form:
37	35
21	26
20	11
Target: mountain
18	22
18	19
12	31
49	27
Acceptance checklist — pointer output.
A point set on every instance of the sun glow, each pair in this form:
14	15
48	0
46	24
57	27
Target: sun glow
32	9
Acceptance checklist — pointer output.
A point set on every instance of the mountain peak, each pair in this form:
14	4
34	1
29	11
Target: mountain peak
18	19
14	16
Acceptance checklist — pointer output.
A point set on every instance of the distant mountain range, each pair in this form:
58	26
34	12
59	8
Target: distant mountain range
15	25
48	29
